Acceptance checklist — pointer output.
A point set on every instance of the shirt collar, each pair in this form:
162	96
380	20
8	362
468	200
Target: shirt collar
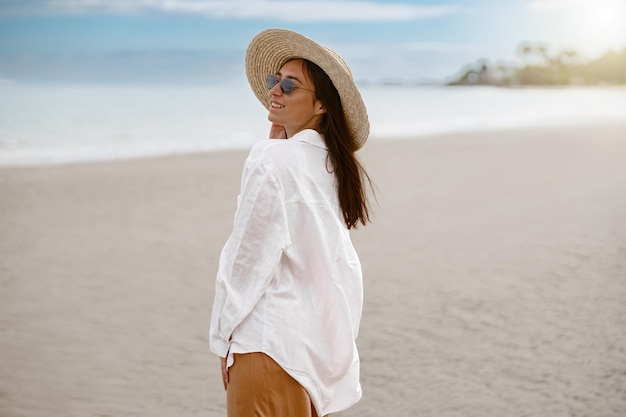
311	137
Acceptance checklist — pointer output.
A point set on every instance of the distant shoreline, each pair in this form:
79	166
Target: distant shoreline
444	136
56	125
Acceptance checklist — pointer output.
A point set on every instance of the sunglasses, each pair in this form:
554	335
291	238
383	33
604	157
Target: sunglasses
286	85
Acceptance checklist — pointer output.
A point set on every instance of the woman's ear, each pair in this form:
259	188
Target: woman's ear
319	107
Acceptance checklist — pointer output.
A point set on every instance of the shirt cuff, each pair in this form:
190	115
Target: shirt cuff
220	347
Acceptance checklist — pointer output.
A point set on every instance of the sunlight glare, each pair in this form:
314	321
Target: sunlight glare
602	24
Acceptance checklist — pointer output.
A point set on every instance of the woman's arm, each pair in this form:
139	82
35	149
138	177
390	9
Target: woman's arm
250	258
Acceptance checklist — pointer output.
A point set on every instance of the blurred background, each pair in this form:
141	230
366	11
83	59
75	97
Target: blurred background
86	80
495	265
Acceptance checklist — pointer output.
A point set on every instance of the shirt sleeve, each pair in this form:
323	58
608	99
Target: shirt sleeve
251	255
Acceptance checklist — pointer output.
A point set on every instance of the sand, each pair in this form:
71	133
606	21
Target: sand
495	279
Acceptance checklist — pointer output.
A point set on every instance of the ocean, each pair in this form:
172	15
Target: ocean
51	124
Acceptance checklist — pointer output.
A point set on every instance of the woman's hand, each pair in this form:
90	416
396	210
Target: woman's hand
278	132
225	377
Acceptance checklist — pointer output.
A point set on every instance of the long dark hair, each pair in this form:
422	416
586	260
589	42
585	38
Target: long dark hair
341	146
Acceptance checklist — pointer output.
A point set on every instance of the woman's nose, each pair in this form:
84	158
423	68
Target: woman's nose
276	90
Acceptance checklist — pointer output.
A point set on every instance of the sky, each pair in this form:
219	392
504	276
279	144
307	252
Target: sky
204	41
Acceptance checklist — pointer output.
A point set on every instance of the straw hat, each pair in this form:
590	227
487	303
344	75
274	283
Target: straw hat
272	48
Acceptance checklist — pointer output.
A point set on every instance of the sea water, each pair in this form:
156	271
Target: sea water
47	124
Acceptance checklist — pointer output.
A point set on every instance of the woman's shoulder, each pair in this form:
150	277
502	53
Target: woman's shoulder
268	157
284	156
276	152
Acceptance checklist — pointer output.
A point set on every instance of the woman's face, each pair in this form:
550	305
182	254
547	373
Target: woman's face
300	109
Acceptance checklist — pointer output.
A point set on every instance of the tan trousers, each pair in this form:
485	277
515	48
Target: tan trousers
259	387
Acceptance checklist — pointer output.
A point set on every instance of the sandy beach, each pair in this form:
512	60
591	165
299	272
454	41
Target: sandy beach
495	279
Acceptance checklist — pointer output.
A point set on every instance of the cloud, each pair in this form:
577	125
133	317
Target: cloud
568	5
282	10
549	5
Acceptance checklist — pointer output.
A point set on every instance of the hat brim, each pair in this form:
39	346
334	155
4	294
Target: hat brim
272	48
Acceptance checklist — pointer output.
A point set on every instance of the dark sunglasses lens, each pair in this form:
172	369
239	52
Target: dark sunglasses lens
287	86
271	81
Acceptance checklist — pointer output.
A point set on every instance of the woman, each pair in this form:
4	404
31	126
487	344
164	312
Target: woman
289	287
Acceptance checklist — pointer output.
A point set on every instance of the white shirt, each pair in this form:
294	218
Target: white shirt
289	282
